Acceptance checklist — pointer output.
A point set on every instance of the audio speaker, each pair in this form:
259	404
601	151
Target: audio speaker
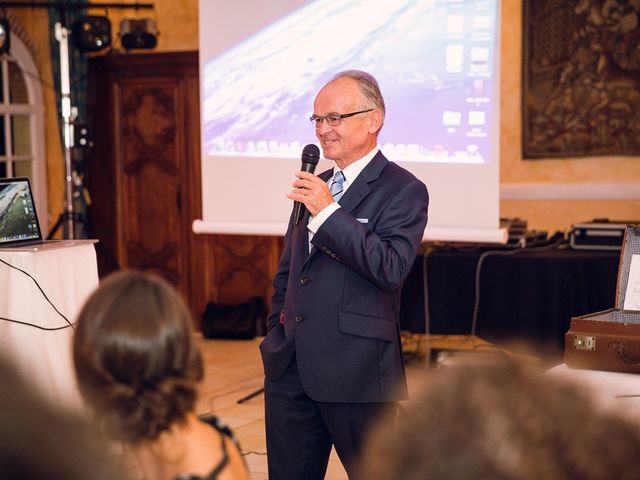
138	33
91	33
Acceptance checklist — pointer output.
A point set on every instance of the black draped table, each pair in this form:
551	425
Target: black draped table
529	296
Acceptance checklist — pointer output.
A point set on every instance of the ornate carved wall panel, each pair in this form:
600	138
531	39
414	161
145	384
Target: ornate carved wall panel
244	266
581	78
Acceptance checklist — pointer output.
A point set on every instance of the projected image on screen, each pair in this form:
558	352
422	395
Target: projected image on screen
434	61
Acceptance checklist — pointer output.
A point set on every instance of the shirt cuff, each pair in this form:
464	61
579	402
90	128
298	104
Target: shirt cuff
317	221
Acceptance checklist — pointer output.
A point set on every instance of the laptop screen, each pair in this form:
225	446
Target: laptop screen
18	217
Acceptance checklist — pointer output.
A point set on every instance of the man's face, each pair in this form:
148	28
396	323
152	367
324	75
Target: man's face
355	136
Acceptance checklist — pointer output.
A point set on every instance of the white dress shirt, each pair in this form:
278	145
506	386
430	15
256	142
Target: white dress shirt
350	173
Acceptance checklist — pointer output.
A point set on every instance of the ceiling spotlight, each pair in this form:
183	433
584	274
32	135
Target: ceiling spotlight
138	33
5	35
91	33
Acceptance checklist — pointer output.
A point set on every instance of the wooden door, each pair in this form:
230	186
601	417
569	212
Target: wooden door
151	177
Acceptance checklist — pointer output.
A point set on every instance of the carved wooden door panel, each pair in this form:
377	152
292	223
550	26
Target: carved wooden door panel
151	177
144	179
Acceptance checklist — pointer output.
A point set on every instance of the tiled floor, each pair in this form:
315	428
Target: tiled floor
233	371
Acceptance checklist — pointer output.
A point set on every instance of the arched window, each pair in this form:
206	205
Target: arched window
22	141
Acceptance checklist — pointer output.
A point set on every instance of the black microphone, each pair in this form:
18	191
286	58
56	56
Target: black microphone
310	158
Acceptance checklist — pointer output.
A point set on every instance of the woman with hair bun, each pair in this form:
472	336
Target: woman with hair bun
138	366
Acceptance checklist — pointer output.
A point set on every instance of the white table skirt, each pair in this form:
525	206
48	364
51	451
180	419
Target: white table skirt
615	391
67	275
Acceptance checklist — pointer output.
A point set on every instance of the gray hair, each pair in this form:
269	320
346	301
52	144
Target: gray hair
368	86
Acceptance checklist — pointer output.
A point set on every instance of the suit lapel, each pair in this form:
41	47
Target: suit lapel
351	198
326	175
361	186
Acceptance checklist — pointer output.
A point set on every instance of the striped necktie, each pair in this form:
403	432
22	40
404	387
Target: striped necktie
336	185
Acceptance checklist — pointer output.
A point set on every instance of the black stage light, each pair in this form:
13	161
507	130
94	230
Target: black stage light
138	33
91	33
5	35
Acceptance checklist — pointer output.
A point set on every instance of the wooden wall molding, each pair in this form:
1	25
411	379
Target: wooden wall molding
569	191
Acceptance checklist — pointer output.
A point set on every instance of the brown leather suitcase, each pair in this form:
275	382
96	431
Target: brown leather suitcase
610	339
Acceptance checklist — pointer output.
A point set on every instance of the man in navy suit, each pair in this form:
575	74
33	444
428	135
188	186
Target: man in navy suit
332	355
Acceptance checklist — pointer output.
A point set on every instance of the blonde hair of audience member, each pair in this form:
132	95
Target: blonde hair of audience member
501	422
38	440
138	367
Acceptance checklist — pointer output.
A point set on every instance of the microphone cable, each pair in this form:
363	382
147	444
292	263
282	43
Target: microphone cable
69	324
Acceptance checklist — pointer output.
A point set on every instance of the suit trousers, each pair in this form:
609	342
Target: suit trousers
301	431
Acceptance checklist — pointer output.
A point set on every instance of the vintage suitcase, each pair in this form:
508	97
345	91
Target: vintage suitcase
610	340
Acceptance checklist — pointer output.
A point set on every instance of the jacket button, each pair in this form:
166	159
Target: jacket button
299	318
304	280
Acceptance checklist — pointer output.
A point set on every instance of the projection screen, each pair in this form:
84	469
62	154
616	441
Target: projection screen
437	62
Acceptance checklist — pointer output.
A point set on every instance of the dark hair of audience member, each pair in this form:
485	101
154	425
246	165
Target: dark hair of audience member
502	422
135	355
39	440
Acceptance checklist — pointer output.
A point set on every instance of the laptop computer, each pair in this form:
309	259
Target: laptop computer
19	227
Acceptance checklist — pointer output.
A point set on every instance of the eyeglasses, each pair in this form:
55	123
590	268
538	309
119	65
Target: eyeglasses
334	119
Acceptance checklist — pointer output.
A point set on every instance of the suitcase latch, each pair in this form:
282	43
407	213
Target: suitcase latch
584	342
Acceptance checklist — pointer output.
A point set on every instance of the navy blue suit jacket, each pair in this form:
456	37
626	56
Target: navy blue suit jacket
337	307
